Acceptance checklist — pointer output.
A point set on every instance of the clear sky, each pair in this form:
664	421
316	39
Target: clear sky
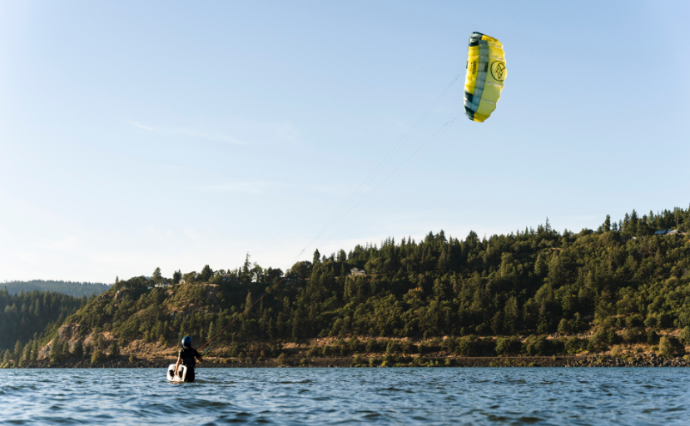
136	135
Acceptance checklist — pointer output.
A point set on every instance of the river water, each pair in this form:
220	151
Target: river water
313	396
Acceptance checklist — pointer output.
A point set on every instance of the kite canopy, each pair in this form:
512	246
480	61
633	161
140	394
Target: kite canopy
486	73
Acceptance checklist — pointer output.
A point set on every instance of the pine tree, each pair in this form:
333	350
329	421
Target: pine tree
248	301
512	315
55	351
540	268
157	277
556	275
206	273
114	350
633	223
211	331
79	348
246	267
98	340
26	353
97	357
34	350
543	325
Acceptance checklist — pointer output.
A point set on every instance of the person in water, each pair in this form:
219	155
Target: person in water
187	357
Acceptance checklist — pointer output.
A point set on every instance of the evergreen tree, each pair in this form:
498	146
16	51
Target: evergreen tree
633	222
540	268
211	331
34	350
97	357
79	348
17	351
246	267
56	353
157	277
206	273
114	350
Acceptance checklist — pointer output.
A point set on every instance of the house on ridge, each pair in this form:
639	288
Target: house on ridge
356	272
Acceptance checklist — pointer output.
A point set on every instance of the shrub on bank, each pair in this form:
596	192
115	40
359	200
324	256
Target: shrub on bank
466	346
97	357
670	347
685	335
575	345
508	346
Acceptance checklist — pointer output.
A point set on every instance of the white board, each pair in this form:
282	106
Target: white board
180	376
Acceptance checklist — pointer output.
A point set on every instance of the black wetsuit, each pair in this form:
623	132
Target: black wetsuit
188	356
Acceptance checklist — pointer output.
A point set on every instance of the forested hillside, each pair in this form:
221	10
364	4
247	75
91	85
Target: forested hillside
532	282
76	289
618	284
27	316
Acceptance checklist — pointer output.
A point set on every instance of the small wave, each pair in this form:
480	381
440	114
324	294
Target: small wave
21	388
529	419
496	418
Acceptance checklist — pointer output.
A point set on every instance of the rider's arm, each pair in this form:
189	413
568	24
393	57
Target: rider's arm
177	364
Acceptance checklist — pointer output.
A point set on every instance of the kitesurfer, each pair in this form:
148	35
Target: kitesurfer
187	357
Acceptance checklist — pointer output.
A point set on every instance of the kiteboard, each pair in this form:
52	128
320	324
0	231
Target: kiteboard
180	376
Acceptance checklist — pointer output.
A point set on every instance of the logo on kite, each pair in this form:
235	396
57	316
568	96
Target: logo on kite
498	70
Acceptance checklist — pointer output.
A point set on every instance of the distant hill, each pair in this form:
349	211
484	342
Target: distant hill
532	292
70	288
618	284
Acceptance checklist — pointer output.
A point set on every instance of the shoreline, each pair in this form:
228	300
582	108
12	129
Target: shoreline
347	362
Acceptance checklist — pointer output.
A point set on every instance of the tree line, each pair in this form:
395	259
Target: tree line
620	281
31	315
72	288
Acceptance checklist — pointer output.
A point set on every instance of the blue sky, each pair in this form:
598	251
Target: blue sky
175	134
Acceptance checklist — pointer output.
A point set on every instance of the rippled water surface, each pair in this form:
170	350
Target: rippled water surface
577	396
